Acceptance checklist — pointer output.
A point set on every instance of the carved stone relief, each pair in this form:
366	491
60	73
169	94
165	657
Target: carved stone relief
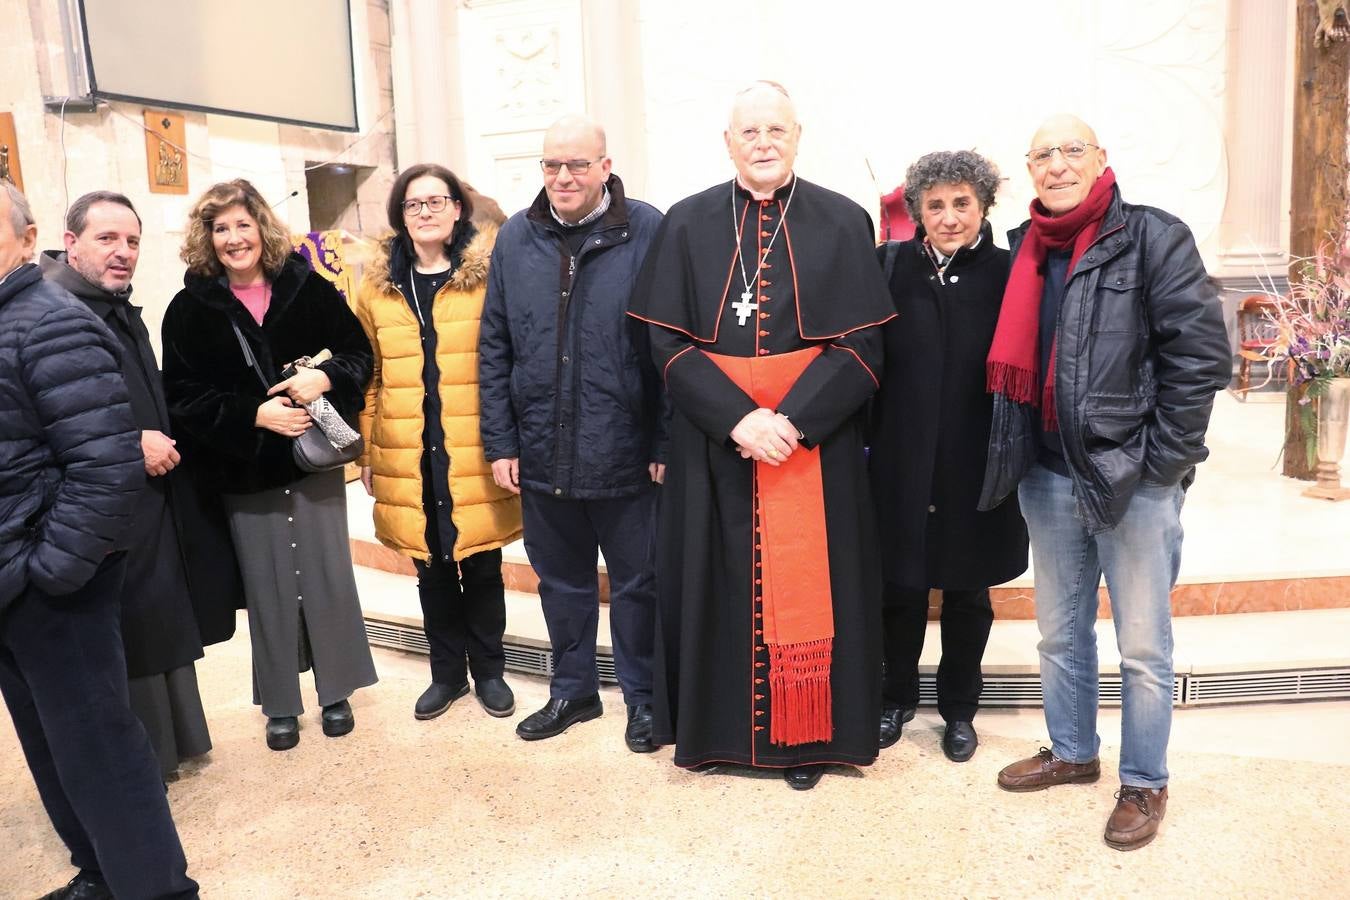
527	65
1161	73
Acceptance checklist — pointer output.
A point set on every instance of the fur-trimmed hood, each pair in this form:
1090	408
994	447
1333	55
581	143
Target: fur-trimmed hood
392	262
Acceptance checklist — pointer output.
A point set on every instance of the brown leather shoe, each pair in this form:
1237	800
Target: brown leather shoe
1046	770
1138	813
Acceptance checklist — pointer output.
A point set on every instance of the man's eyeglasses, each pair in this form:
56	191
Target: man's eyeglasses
435	204
575	166
1074	150
776	133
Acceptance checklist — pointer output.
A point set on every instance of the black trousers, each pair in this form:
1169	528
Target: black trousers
966	619
562	538
463	614
63	674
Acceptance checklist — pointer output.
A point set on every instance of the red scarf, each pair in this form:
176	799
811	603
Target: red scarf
1012	368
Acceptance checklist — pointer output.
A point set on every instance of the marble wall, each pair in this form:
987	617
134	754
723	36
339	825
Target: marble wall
878	84
1190	98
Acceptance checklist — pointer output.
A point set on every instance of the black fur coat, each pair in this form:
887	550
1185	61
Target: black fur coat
214	394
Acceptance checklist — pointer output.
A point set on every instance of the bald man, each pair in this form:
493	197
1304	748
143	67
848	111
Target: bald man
1109	349
763	295
571	420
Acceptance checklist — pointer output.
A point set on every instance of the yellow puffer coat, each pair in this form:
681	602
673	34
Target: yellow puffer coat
485	515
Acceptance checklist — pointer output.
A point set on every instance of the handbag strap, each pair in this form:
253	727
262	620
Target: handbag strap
249	357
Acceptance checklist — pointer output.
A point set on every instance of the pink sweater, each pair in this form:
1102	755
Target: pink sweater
255	298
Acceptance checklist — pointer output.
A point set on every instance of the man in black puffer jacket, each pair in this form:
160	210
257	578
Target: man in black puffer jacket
70	469
1109	348
571	417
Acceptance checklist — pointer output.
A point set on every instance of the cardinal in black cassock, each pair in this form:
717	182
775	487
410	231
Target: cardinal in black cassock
764	295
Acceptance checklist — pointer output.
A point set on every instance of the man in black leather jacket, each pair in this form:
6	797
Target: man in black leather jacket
1109	350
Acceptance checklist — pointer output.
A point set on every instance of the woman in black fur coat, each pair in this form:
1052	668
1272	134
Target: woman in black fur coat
245	286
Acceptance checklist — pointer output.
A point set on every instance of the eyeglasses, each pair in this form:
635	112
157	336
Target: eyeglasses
435	204
575	166
1072	150
776	133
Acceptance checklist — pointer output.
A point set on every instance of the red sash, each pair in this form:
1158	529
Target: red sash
794	573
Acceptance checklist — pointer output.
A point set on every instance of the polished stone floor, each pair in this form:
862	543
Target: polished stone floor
459	807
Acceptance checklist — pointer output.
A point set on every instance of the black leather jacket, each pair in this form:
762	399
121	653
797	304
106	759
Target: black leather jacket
1141	350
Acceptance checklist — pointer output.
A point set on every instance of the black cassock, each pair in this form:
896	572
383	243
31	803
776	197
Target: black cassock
820	286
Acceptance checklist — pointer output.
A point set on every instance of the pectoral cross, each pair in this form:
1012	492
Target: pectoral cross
744	307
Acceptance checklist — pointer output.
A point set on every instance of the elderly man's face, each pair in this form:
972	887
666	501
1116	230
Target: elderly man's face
105	253
575	195
762	139
15	249
1063	182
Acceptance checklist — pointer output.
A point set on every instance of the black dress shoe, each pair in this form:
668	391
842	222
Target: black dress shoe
81	887
283	732
803	778
495	696
892	722
638	734
437	699
959	741
557	716
338	719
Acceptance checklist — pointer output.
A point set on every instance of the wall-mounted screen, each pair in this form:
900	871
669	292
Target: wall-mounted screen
285	60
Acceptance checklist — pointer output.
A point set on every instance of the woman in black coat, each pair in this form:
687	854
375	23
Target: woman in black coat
245	288
930	436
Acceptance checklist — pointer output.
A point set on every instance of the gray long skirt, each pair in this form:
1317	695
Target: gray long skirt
170	708
296	564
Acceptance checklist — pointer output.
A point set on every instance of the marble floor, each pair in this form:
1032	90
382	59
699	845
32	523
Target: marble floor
459	807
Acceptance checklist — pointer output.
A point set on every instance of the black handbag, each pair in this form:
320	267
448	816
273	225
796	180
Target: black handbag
312	451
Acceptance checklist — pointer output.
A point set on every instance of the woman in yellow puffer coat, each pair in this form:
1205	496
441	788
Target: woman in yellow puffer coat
435	500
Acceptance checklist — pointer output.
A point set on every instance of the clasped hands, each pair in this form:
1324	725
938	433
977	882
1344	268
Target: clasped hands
284	413
765	436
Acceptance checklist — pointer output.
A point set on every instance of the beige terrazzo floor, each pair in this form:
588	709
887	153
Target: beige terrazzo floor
459	807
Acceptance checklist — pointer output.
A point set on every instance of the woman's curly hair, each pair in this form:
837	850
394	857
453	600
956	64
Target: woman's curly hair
198	250
950	167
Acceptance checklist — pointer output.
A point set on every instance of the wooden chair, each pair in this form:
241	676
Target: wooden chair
1257	336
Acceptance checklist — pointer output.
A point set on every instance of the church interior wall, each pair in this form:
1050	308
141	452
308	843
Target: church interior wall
475	84
63	157
879	84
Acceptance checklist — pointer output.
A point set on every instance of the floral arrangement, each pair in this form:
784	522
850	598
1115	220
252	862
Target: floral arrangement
1313	322
1311	326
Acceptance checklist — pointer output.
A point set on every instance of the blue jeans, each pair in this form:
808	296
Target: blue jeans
1140	557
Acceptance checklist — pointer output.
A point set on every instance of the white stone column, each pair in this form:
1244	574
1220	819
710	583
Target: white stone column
1257	95
614	95
428	109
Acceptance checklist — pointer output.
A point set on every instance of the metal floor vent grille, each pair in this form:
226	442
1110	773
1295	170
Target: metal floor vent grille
1246	687
520	657
1025	690
399	637
999	690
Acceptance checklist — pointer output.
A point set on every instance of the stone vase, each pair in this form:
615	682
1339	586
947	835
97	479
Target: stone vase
1333	415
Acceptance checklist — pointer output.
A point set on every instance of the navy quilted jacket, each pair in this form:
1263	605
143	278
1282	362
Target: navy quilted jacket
565	375
70	452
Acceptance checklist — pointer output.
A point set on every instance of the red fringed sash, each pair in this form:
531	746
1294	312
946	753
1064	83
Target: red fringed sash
795	569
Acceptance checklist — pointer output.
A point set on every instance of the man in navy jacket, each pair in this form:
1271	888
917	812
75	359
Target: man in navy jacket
70	469
571	419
